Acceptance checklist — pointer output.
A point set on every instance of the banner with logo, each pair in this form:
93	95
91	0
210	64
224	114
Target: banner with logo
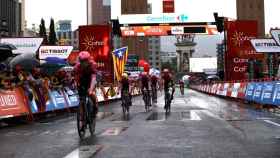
23	45
267	93
13	103
265	45
96	40
257	96
240	50
276	94
250	91
55	51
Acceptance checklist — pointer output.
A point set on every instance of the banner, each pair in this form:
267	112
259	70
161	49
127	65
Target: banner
96	40
258	92
24	45
276	94
242	90
265	46
240	50
55	51
235	89
12	103
267	93
250	91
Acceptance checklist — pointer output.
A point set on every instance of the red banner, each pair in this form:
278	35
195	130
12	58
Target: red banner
96	40
239	49
12	103
168	6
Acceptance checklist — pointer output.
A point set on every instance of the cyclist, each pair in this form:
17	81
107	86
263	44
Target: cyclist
124	86
182	84
85	76
154	84
145	82
168	82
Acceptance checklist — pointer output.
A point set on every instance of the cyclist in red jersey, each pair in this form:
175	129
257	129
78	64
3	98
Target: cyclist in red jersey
85	76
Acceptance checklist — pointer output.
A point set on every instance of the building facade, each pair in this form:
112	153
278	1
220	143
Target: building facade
252	10
154	52
98	12
134	7
167	57
66	36
11	18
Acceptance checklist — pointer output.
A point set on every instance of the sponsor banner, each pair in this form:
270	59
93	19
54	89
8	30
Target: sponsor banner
242	90
235	89
265	45
224	92
258	92
177	30
240	49
24	45
275	33
276	94
267	93
96	40
214	89
150	18
13	103
219	87
250	91
229	90
166	30
62	52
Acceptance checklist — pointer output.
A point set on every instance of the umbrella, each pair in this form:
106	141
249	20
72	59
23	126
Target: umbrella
186	78
213	77
52	64
27	61
5	46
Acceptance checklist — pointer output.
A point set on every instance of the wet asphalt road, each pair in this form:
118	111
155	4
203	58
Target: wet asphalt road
200	126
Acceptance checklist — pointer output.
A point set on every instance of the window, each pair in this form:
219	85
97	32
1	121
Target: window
157	58
157	64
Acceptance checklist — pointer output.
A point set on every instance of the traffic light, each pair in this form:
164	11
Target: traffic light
219	22
116	27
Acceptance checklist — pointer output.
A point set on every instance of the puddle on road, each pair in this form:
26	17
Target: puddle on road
121	118
102	115
180	116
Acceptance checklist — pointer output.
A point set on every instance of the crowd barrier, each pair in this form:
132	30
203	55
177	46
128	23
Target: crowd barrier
262	92
28	101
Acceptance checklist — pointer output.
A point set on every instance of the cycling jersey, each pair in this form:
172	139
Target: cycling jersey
145	82
168	82
83	76
154	81
125	84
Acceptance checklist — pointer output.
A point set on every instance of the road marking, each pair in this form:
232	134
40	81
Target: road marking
273	123
84	151
114	131
194	116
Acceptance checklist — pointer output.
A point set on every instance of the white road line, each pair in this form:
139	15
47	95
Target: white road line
273	123
84	151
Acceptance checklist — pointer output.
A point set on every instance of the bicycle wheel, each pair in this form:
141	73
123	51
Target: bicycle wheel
81	122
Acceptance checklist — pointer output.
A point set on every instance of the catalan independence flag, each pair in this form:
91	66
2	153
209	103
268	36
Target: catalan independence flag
119	59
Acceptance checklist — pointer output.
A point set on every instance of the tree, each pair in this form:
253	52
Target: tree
42	31
52	34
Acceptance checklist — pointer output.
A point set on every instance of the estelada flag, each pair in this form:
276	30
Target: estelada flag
119	60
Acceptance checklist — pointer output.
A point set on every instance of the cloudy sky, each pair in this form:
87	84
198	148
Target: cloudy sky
197	10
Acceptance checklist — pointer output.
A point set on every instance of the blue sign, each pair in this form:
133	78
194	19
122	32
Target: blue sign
167	18
250	91
267	93
276	94
258	92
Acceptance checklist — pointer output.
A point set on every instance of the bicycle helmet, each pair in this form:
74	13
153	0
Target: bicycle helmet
84	56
